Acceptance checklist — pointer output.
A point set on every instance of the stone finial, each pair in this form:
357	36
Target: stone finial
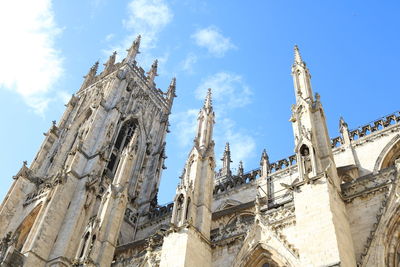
342	125
152	73
133	51
208	100
240	170
264	163
344	131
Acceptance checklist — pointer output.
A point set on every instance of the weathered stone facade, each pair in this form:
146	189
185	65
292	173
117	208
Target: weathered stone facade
89	198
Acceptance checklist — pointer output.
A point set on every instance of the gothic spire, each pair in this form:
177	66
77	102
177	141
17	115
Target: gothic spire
301	77
226	161
205	123
152	72
133	50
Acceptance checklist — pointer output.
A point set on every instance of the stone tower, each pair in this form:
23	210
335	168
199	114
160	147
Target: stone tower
320	211
188	242
100	163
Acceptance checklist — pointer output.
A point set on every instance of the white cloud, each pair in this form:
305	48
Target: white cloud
109	37
188	62
31	65
213	40
64	96
185	123
146	18
228	90
241	143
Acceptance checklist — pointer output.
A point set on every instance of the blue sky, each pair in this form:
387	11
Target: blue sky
242	50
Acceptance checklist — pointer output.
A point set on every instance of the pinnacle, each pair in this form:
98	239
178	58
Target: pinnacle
297	56
227	149
153	71
173	82
96	65
208	100
264	154
342	123
154	65
135	44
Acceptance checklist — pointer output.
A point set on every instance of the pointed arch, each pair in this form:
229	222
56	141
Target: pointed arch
25	227
389	154
263	246
392	240
263	255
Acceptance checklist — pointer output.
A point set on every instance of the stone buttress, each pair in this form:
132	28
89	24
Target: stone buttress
187	243
324	236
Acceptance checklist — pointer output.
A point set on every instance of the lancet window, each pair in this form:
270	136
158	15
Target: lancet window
124	136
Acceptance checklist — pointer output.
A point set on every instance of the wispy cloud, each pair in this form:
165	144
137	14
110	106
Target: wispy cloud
212	39
185	123
188	62
109	37
31	65
229	90
242	144
147	18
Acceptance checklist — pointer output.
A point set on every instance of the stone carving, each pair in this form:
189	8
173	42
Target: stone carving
5	242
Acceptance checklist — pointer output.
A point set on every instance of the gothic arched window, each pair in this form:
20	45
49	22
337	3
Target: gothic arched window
124	136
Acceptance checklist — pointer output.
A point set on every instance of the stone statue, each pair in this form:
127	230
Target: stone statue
305	154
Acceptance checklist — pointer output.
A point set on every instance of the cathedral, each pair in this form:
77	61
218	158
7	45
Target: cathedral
89	197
